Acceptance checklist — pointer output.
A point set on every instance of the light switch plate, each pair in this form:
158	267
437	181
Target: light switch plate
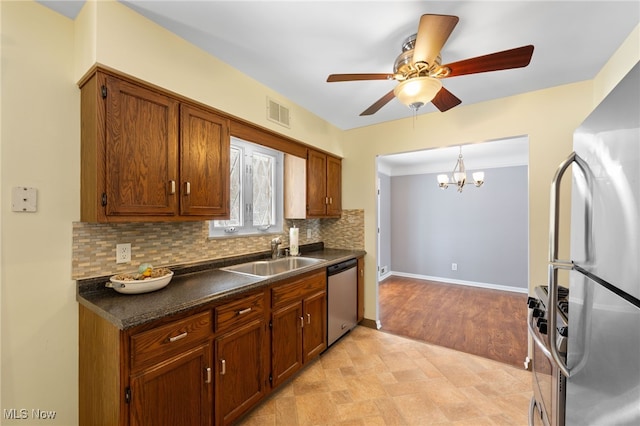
24	199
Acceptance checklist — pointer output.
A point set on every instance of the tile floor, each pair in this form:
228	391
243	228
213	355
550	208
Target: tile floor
374	378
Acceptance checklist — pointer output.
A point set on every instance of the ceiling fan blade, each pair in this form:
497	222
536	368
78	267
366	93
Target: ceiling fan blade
507	59
378	104
433	32
445	100
353	77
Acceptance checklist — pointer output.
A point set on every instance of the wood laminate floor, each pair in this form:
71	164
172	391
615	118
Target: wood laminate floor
484	322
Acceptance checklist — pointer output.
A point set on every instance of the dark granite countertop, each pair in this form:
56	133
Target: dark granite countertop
191	287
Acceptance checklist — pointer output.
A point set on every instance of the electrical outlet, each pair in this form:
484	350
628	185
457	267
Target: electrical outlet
123	253
308	233
454	266
384	270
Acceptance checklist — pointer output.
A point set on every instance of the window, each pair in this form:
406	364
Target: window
255	191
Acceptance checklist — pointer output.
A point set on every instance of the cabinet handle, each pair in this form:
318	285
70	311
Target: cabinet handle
178	337
302	322
326	200
244	311
172	184
223	370
330	200
187	188
208	375
308	318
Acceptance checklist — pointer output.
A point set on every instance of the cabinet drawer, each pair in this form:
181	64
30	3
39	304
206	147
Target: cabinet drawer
239	312
298	289
169	339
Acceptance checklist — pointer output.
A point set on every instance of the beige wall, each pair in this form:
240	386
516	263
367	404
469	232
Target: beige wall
40	147
548	117
132	44
44	55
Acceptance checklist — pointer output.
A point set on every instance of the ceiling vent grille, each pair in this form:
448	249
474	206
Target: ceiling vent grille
278	113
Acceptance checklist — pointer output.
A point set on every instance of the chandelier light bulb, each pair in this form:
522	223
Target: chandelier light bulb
478	178
443	181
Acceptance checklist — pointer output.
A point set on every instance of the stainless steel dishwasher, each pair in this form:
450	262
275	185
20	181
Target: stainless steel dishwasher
342	299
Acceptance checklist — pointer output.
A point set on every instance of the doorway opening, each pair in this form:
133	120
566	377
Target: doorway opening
476	240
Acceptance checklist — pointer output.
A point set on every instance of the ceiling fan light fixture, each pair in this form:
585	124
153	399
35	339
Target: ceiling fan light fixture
418	91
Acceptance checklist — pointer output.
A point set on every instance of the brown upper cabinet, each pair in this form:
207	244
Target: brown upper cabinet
324	190
204	163
151	155
148	156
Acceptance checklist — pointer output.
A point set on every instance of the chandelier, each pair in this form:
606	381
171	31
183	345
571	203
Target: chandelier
459	176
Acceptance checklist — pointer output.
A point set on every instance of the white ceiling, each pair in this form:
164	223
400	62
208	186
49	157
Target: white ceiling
292	46
477	156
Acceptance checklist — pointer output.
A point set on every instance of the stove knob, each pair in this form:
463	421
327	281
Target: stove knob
532	302
537	312
542	326
563	331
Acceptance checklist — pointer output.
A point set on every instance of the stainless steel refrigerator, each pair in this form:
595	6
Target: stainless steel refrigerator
602	364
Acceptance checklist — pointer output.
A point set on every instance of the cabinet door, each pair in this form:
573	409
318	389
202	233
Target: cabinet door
286	342
174	392
241	375
314	334
316	183
295	187
204	163
334	186
141	151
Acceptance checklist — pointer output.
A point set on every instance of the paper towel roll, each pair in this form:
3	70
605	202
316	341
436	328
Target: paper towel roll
293	241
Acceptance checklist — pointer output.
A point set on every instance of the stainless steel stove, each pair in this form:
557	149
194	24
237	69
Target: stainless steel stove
547	404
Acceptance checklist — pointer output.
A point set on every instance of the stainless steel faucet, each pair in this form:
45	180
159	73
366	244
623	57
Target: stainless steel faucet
275	243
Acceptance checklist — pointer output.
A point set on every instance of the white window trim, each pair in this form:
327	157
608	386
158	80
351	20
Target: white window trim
247	149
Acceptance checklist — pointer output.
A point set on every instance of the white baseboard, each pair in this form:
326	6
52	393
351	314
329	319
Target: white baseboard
385	276
460	282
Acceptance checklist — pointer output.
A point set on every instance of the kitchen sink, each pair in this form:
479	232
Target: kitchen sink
269	268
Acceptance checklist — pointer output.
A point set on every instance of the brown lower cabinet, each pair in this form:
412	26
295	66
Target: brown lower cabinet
173	392
298	325
241	378
206	367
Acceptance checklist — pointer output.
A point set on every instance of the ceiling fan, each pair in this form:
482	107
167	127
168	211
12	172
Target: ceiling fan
418	68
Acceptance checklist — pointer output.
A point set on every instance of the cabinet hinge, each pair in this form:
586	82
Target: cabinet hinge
127	395
103	89
104	199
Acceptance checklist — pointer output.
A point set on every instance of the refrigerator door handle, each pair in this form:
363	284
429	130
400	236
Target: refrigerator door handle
536	339
554	263
554	209
553	327
532	411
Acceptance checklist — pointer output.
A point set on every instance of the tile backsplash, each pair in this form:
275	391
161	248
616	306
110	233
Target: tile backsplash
181	243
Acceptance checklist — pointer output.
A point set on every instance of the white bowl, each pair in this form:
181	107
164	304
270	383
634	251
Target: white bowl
139	286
